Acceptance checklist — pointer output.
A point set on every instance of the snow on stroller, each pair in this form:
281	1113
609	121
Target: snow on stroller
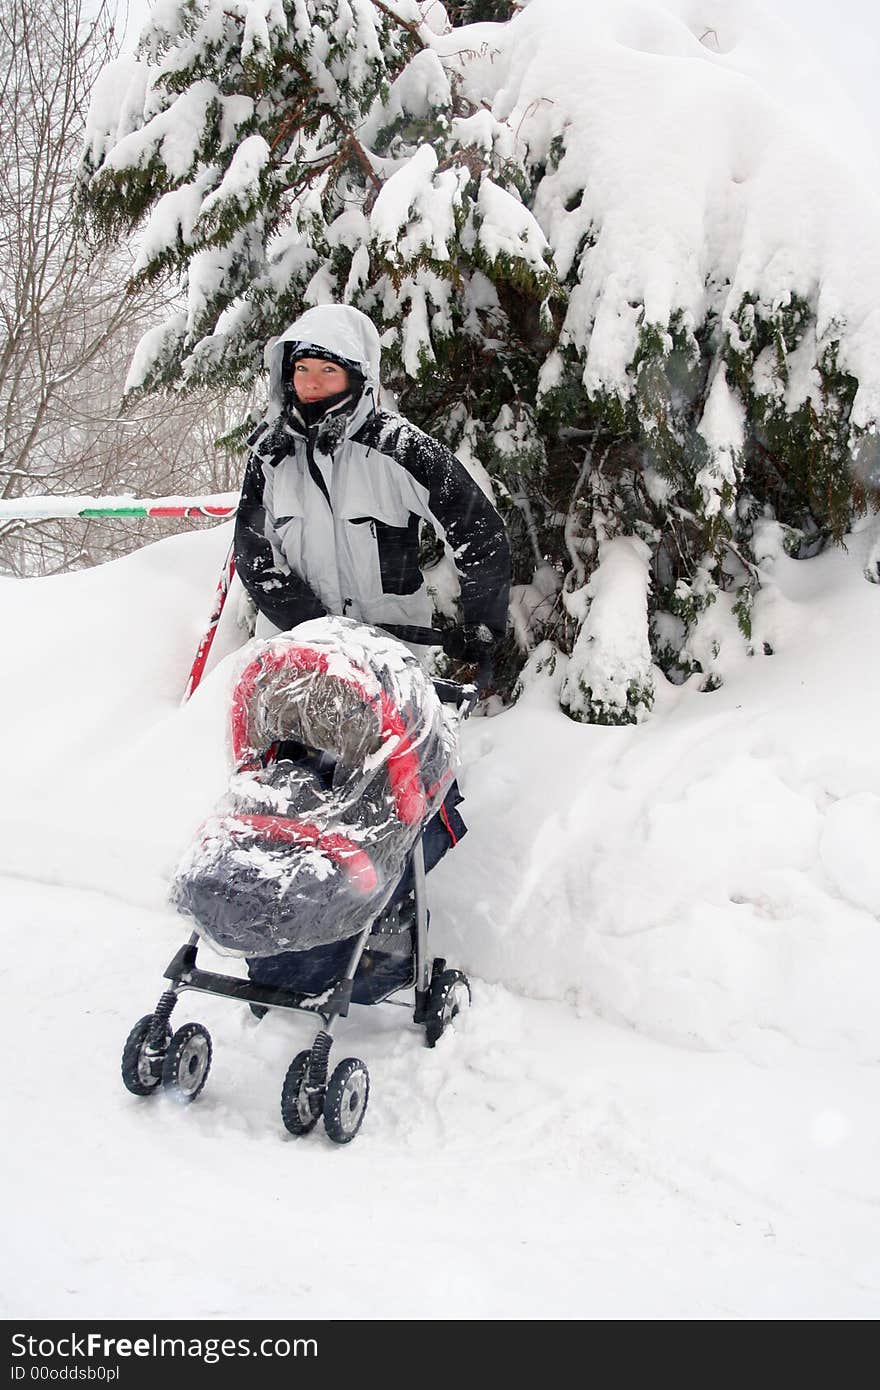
313	865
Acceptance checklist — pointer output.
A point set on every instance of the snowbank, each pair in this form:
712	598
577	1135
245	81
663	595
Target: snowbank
708	878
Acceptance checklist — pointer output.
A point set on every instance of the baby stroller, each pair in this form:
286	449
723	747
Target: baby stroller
313	866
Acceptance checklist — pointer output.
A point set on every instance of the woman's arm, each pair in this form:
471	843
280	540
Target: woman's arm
280	594
468	522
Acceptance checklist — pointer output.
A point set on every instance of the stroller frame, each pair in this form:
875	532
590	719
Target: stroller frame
184	974
153	1059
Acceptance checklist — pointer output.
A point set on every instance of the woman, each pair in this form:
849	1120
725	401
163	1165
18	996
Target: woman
335	491
328	522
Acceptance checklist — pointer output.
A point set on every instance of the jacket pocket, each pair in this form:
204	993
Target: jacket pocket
283	493
286	543
398	548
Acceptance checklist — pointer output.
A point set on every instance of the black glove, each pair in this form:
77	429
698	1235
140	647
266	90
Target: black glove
472	643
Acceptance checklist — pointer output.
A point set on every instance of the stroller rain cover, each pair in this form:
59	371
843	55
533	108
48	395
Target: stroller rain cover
341	751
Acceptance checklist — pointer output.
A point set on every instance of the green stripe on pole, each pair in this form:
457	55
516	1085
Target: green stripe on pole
89	513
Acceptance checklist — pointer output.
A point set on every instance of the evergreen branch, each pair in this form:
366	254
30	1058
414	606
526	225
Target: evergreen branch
288	124
748	565
470	157
407	24
351	144
317	169
771	458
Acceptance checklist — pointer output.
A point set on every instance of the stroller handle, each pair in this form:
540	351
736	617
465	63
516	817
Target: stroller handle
463	697
418	636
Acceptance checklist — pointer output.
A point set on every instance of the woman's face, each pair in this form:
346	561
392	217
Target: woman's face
314	379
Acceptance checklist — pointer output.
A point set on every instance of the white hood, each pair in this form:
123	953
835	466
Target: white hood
337	328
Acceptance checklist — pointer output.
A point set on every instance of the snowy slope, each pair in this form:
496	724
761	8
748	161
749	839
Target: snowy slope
663	1103
721	860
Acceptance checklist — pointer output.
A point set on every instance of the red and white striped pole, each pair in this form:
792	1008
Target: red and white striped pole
204	647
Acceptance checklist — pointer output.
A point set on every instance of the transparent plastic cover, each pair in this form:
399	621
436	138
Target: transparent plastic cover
341	751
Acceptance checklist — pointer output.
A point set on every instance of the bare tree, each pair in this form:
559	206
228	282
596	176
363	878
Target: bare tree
67	325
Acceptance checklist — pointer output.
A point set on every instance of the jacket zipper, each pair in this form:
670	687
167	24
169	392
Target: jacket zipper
314	470
318	479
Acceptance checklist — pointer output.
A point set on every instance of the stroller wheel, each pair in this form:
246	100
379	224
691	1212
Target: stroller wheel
450	993
345	1103
299	1111
142	1067
187	1063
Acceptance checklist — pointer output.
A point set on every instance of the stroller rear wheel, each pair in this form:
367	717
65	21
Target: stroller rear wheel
300	1111
187	1063
141	1065
345	1103
450	993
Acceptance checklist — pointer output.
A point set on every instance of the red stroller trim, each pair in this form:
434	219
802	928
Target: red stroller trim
302	658
337	848
404	773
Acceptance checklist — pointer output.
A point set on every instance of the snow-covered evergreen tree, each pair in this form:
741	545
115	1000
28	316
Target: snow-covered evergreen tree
607	262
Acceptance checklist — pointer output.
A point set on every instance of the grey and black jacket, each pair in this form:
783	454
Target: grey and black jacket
329	515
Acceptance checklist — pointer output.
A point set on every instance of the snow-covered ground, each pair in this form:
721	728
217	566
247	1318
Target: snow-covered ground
664	1100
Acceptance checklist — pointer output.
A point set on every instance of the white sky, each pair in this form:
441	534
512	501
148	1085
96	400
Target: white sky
846	36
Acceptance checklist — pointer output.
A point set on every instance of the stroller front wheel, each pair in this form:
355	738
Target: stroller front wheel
187	1063
141	1064
345	1103
450	993
300	1111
